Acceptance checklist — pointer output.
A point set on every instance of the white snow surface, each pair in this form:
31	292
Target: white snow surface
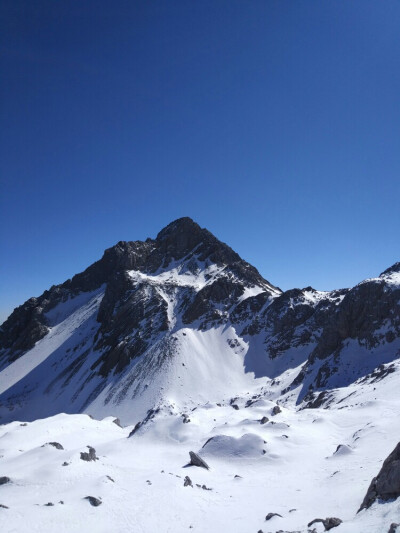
140	480
391	278
177	274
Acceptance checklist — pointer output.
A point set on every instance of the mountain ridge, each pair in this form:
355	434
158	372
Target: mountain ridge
117	333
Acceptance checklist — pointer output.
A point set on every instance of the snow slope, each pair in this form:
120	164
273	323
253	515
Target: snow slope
67	320
140	480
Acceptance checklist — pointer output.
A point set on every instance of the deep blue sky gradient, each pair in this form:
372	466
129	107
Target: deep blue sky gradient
273	123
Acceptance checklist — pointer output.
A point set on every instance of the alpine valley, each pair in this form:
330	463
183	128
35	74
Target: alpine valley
289	402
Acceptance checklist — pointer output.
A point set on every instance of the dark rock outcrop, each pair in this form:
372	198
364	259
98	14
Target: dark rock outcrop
271	515
360	316
151	413
187	482
294	318
93	501
56	445
328	523
386	485
89	456
196	460
4	480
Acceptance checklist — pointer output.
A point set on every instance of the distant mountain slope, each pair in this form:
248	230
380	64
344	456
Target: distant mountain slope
181	319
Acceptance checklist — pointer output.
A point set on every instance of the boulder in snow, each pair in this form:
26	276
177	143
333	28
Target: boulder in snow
56	445
196	460
89	456
187	482
328	523
93	501
271	515
117	422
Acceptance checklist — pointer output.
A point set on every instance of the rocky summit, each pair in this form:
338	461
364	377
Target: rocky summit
199	356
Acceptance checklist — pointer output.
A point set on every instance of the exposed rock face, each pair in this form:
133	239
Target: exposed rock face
293	319
368	314
4	480
362	309
386	485
89	456
130	316
150	415
196	460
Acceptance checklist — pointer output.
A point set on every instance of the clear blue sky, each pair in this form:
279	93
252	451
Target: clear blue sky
273	123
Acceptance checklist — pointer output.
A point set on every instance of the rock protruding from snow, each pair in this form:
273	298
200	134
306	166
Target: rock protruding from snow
271	515
4	480
187	482
328	523
343	449
89	456
386	485
196	460
56	445
93	501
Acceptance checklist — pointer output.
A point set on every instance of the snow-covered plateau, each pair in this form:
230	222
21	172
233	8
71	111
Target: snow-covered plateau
175	351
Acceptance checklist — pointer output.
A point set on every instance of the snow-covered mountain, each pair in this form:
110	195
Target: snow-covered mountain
183	318
184	342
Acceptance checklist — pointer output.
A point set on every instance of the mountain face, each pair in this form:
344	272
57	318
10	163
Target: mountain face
182	318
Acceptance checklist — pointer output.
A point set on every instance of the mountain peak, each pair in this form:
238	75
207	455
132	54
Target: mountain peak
392	270
179	226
